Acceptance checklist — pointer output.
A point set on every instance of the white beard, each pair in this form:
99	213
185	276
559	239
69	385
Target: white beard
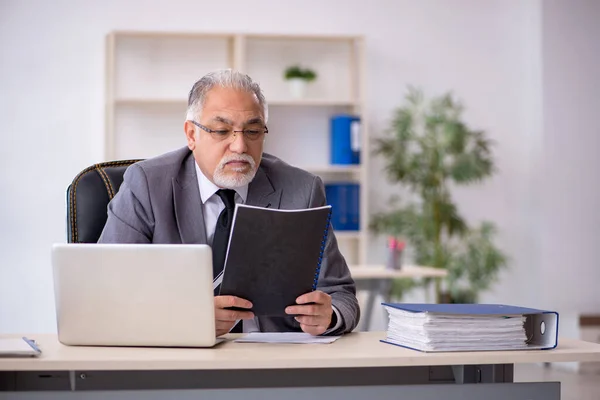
239	179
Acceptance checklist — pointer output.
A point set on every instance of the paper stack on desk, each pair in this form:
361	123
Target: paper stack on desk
285	337
470	327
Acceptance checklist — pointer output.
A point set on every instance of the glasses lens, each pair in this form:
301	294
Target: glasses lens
221	134
254	134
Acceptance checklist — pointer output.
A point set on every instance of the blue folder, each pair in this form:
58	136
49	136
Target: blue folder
345	139
541	326
344	198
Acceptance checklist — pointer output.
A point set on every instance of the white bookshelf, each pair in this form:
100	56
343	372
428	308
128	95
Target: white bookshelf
286	102
149	74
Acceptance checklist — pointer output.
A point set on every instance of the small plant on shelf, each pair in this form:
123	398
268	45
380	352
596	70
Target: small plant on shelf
298	77
297	72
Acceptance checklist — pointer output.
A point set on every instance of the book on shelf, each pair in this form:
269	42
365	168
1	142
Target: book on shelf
470	327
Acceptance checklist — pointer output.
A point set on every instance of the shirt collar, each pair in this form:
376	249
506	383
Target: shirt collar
208	189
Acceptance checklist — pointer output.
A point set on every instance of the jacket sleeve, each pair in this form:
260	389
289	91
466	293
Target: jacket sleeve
335	278
130	218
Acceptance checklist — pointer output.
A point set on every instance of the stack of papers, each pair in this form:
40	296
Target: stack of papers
431	331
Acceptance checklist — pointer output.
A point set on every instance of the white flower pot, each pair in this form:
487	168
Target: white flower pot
297	88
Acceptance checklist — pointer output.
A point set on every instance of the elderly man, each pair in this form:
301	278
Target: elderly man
188	196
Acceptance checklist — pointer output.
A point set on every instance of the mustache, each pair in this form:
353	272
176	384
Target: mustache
237	157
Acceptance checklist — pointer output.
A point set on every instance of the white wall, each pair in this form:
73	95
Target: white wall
51	107
570	165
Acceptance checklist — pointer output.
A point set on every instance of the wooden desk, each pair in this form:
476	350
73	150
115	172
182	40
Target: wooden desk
356	366
376	279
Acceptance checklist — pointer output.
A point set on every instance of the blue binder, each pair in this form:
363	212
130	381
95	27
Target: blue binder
541	326
345	202
345	139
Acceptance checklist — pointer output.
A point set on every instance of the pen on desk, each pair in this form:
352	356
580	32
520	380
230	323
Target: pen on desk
32	343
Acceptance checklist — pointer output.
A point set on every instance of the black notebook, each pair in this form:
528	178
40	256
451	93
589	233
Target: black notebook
274	256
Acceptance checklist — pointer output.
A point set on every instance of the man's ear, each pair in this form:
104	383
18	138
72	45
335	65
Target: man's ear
190	134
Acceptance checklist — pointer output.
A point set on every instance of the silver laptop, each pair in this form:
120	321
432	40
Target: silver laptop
134	295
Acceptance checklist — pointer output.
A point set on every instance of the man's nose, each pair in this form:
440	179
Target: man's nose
238	143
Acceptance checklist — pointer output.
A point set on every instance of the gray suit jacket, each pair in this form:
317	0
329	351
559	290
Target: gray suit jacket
159	202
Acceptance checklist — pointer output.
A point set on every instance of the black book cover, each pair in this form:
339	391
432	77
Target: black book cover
274	256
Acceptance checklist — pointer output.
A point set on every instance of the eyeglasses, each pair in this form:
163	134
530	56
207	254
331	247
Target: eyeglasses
223	134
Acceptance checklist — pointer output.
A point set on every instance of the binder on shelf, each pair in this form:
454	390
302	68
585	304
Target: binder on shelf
345	201
345	139
470	327
274	255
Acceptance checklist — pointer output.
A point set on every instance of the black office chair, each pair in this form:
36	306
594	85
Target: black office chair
88	197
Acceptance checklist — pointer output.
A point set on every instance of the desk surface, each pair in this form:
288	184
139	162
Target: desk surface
361	349
381	272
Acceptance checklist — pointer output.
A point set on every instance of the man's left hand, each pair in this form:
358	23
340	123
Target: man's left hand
313	311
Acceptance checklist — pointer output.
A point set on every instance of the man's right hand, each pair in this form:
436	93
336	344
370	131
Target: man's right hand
226	319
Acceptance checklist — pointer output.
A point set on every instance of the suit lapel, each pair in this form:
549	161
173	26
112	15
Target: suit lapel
261	192
188	204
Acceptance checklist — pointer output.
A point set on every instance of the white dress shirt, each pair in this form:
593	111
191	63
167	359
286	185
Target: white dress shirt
212	205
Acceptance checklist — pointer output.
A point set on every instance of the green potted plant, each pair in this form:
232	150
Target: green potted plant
428	150
298	78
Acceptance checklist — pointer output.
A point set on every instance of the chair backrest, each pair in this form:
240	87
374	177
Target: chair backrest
88	197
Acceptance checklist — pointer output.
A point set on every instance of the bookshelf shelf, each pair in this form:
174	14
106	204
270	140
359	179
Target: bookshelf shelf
276	103
149	74
314	103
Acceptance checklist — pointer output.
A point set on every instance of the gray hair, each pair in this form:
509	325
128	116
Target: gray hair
226	78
